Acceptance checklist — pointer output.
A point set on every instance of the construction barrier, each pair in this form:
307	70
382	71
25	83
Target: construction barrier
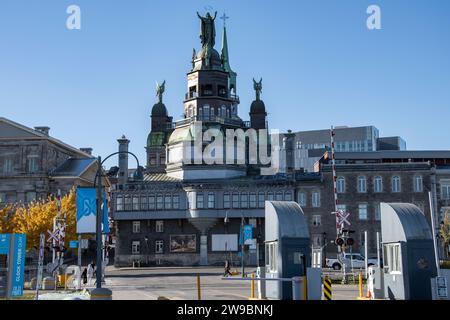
327	293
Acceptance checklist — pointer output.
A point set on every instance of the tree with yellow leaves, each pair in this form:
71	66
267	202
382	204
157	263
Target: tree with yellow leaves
6	221
37	218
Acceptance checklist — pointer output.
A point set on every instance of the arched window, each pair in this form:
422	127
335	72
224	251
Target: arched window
396	184
362	184
223	111
340	185
378	184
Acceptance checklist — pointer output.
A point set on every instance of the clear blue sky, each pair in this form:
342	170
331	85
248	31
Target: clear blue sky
320	65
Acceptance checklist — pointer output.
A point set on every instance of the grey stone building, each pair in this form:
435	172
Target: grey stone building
34	165
191	213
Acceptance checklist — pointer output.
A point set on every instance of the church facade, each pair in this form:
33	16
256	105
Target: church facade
191	212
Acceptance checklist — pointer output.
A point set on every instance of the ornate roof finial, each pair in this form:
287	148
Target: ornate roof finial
160	88
224	18
258	88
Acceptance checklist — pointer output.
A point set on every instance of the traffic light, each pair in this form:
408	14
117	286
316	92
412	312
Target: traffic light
350	241
339	241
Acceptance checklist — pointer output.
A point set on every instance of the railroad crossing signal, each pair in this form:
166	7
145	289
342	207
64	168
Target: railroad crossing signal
342	217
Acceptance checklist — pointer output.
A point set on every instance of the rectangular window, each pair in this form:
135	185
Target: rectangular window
8	166
316	199
159	246
377	212
288	196
271	256
144	204
317	220
151	202
211	200
302	199
30	196
128	206
244	200
252	200
392	258
135	203
159	202
135	247
270	196
418	184
445	191
176	201
136	227
226	201
261	200
119	203
168	201
235	200
279	196
199	200
362	211
159	226
33	165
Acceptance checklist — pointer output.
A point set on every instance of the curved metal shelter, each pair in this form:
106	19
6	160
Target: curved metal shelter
408	252
287	246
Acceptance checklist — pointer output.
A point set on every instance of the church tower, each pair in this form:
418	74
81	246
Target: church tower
211	95
258	112
156	141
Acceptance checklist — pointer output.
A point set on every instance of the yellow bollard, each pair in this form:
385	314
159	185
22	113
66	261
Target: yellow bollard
327	288
199	290
252	287
360	285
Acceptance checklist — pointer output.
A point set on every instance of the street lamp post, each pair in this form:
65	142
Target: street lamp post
99	212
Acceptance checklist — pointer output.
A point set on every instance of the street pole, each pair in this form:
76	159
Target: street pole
433	230
378	250
365	251
99	217
242	245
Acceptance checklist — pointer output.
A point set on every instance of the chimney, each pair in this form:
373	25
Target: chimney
44	130
123	160
87	150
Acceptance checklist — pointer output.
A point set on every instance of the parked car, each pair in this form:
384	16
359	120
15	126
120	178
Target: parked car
352	260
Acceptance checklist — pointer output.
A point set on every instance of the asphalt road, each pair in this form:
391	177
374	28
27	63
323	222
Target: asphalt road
181	284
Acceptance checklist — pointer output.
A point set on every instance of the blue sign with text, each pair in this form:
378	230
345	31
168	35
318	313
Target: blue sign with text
18	265
4	243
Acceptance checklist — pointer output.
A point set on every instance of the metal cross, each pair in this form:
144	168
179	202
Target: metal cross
224	18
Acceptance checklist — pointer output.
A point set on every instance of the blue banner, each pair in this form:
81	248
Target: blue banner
86	211
18	271
248	232
4	243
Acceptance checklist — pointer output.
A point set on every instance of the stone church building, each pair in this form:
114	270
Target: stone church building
191	213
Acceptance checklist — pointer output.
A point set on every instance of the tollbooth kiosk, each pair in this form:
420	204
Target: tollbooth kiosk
408	252
287	246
